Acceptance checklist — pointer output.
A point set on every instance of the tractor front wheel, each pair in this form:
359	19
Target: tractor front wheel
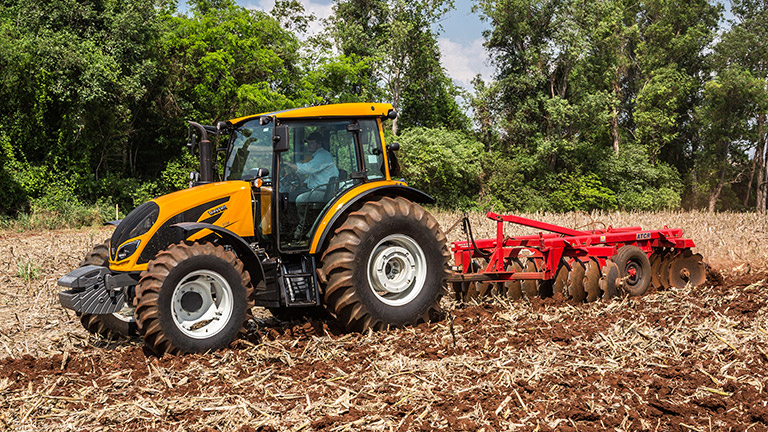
385	266
193	298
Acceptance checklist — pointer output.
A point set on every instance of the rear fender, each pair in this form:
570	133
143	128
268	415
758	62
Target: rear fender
338	212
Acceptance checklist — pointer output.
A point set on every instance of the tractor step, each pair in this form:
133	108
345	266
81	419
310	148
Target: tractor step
299	282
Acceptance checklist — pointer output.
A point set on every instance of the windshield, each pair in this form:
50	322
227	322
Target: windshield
250	149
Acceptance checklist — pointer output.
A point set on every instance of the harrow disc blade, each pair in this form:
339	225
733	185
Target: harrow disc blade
576	281
608	281
470	291
687	268
666	261
513	288
561	280
656	258
458	290
592	280
529	287
483	289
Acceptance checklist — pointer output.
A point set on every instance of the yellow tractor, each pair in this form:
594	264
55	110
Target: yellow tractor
307	217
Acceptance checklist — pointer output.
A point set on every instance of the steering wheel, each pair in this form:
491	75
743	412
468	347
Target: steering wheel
289	178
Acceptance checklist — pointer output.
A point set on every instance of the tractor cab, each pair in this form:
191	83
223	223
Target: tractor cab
300	167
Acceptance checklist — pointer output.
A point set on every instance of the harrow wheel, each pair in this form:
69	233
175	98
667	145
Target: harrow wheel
687	268
576	281
634	270
114	326
193	298
608	283
385	266
592	280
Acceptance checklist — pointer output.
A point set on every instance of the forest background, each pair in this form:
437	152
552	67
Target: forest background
606	104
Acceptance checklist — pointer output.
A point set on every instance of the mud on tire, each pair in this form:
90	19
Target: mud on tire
385	266
109	326
193	298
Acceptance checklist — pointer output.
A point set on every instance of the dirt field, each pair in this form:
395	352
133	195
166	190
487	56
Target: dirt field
677	360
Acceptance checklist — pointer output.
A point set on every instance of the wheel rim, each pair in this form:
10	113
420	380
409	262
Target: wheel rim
397	269
634	272
202	304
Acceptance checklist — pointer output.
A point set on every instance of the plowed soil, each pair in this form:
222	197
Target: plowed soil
691	359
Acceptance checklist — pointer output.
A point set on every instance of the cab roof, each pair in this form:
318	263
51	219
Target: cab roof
361	109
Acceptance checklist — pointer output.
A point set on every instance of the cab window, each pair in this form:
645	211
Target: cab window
372	150
251	149
312	172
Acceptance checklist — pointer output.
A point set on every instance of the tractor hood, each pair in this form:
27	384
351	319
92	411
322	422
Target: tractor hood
149	228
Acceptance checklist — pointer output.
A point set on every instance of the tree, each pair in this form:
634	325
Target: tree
227	61
75	77
396	41
731	101
744	46
443	163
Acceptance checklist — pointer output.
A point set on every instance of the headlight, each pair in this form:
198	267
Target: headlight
145	224
128	249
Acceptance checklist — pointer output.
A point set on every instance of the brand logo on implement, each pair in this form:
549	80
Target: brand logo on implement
643	236
217	210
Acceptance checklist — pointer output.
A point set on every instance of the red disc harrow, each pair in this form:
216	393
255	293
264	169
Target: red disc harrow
579	265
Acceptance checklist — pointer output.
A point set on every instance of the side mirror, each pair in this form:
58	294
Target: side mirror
394	164
280	139
254	174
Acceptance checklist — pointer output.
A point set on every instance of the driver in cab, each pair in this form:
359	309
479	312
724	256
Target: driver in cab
317	171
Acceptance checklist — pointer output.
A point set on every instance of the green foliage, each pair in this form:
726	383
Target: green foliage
581	193
392	42
639	184
443	163
27	270
504	185
659	104
614	104
13	196
731	102
227	61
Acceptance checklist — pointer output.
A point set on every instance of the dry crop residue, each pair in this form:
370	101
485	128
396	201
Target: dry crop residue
677	360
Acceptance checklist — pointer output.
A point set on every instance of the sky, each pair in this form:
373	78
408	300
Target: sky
461	39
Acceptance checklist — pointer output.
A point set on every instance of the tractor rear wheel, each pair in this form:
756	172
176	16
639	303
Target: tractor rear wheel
113	326
385	266
193	298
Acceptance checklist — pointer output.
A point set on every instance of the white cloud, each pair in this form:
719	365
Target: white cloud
321	11
463	61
